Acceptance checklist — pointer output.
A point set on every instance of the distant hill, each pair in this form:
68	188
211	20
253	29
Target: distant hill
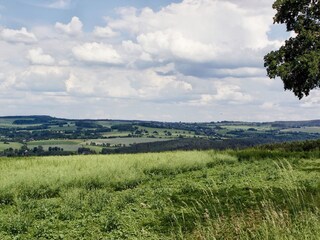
46	135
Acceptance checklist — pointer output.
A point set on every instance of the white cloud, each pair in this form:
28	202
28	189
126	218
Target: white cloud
73	28
42	79
203	30
270	106
170	44
97	53
60	4
36	56
134	52
104	32
203	56
231	93
240	72
312	101
225	92
17	36
131	84
6	81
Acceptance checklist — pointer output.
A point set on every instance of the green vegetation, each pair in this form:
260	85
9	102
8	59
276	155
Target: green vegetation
123	141
247	194
303	129
297	61
6	145
66	145
45	135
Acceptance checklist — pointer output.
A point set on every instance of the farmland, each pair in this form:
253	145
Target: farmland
45	135
244	194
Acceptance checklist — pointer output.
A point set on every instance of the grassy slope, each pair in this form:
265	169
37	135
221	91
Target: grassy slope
184	195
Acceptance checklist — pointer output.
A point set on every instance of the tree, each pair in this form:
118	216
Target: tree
297	62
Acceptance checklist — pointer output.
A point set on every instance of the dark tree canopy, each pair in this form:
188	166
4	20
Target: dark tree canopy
297	61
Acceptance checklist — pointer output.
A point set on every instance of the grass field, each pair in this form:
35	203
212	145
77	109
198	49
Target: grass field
67	145
13	145
161	132
175	195
303	129
126	141
116	134
74	144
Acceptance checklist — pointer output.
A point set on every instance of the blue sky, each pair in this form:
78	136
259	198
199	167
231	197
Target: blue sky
18	13
190	60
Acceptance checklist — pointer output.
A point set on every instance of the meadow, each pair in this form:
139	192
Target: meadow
248	194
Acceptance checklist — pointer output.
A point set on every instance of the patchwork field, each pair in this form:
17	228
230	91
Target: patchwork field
303	129
67	145
84	136
125	141
249	194
6	145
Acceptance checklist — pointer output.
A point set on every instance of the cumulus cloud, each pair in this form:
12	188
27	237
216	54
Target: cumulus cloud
203	56
42	79
169	44
97	53
72	28
225	92
17	36
312	101
231	93
104	32
269	106
203	30
131	84
240	72
36	56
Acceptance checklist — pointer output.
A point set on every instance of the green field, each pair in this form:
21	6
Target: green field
303	129
13	145
116	134
161	132
249	194
74	144
67	145
125	141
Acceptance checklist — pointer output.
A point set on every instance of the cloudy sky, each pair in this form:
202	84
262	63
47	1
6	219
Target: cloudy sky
168	60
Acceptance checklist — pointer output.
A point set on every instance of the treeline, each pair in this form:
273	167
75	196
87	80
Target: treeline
33	120
25	151
304	146
197	128
296	124
279	143
187	144
35	151
254	148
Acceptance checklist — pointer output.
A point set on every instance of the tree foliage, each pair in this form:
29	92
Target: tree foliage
297	61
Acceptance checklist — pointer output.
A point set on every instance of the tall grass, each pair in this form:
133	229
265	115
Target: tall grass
174	195
290	211
46	176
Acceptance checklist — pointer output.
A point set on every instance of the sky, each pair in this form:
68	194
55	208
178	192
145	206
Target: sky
182	60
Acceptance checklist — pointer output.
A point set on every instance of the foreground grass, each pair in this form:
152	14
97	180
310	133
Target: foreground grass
177	195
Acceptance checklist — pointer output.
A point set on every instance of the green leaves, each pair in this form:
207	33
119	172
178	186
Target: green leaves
297	61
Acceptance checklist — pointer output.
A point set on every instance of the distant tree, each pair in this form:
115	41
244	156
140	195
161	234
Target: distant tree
297	62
